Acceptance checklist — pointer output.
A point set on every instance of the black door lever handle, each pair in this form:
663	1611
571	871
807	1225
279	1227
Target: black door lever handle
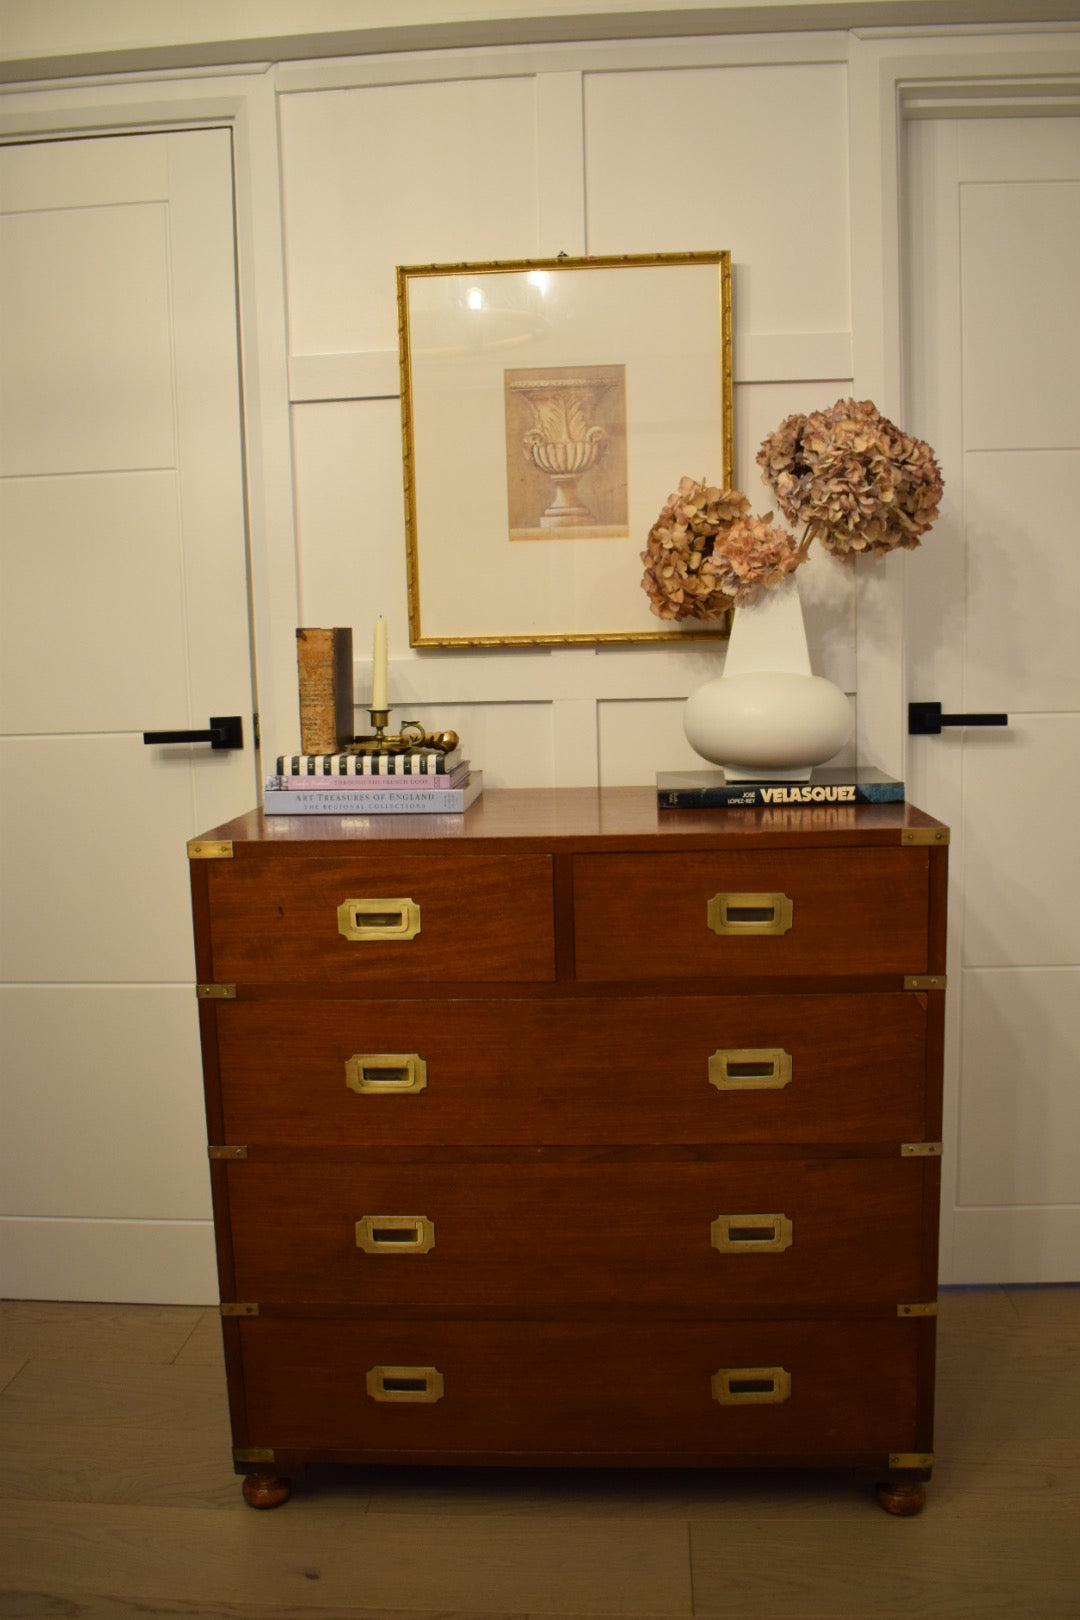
926	719
226	731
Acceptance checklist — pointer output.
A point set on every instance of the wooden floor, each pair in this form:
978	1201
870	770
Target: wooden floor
120	1500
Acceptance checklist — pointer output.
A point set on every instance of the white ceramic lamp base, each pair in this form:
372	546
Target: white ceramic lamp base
767	727
767	717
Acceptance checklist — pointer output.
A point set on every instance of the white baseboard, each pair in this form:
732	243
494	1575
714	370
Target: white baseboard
1038	1244
130	1262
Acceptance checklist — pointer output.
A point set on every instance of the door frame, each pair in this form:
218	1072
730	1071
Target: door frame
891	81
245	103
892	86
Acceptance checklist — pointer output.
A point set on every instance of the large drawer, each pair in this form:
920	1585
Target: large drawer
350	921
819	912
542	1238
797	1069
401	1391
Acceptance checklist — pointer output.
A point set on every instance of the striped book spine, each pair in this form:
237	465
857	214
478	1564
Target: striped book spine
415	762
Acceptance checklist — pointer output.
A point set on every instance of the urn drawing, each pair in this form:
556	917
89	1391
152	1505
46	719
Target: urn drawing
567	426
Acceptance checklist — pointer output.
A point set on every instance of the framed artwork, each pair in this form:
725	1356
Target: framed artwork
549	408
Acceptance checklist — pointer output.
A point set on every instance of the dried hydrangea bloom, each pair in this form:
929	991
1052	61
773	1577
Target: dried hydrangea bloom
919	486
780	455
680	575
752	555
853	478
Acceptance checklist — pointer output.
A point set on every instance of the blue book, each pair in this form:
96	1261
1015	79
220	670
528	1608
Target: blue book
708	790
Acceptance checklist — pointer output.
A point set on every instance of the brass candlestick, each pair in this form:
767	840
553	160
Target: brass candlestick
411	735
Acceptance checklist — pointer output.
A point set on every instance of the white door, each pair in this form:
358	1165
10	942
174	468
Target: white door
993	364
123	609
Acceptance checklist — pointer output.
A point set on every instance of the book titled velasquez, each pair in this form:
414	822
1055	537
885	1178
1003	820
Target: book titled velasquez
708	790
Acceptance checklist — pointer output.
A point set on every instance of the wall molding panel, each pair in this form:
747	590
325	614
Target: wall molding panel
585	57
759	358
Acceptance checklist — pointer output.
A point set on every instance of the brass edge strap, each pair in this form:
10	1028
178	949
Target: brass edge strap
924	835
216	1152
911	1459
925	981
929	1309
238	1308
920	1150
252	1454
216	992
201	849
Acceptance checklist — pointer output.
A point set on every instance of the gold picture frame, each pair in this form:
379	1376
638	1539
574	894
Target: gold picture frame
549	407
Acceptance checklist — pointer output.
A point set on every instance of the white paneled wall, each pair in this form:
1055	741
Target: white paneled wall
543	159
399	174
677	155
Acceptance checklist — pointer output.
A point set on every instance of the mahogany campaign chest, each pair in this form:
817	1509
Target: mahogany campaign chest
570	1131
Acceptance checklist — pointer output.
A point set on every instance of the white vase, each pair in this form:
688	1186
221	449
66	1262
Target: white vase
768	718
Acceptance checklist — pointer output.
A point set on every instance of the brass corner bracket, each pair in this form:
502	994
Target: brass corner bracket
911	1459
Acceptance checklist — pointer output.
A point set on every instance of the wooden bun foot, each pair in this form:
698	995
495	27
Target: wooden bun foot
266	1490
902	1497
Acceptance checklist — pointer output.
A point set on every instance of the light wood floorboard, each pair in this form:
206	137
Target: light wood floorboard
118	1500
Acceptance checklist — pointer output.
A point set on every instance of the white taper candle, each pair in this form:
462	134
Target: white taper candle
378	666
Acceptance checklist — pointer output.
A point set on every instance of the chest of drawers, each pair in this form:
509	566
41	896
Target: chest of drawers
572	1132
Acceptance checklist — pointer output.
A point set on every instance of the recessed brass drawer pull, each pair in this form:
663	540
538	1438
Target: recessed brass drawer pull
378	919
751	1234
395	1234
424	1384
750	913
404	1073
751	1386
762	1068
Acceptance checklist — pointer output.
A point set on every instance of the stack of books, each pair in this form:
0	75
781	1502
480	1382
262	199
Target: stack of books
411	781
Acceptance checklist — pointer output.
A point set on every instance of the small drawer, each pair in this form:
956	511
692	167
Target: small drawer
376	918
768	1068
399	1390
815	913
535	1238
